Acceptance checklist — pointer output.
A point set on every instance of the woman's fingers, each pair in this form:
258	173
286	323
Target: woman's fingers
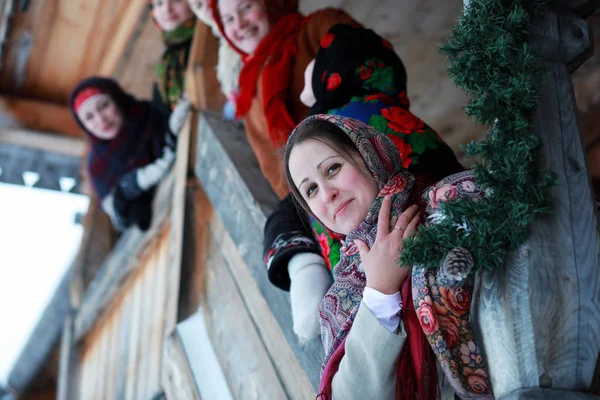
363	249
411	228
405	218
383	222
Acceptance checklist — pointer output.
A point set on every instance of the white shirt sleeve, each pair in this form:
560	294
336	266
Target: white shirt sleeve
385	307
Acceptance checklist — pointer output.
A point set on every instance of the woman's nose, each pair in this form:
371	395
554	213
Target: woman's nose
240	23
328	194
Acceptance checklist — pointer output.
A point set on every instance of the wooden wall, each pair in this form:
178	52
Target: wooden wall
56	43
121	357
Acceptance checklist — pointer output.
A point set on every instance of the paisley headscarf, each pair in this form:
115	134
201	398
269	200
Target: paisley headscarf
170	70
340	305
434	317
140	140
273	58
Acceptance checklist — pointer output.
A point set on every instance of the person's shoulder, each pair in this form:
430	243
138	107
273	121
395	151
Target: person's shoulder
329	16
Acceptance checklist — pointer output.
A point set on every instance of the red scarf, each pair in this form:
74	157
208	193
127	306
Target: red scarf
274	59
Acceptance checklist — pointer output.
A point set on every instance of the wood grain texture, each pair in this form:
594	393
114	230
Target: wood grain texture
246	364
291	373
540	314
125	258
242	197
177	227
178	382
41	116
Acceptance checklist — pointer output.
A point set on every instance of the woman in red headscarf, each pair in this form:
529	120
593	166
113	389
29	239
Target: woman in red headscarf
276	43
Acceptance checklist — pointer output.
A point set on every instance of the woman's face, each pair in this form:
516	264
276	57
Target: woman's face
245	23
338	193
100	116
307	97
169	14
201	8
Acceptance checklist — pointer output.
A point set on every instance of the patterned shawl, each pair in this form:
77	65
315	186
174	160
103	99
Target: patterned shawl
170	70
139	141
340	305
431	312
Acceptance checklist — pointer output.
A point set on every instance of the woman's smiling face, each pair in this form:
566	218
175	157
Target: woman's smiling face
169	14
245	23
338	192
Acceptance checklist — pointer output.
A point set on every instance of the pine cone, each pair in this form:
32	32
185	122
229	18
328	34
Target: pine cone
456	267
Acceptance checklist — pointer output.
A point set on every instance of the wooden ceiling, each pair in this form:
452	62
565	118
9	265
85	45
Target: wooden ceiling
56	43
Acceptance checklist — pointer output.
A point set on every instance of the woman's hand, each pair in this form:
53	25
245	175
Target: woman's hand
380	262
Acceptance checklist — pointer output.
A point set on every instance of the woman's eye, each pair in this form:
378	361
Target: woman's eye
103	105
88	116
245	6
227	20
333	168
310	190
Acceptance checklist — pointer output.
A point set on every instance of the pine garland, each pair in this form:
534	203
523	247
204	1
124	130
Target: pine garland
490	59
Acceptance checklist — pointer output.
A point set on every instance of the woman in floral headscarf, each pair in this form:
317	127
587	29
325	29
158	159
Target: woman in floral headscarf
357	74
176	21
378	327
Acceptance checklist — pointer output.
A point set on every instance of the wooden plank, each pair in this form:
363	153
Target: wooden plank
198	212
112	363
145	386
41	116
288	368
246	364
155	330
202	87
241	196
68	369
125	258
102	374
43	141
125	323
123	31
134	336
540	314
549	394
176	230
179	383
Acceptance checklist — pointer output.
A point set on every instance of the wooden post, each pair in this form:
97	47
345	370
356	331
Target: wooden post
540	314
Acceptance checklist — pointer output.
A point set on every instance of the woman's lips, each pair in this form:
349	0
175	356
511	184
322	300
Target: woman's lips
341	208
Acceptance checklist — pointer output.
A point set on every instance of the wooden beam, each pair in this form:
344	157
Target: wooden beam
202	86
121	38
177	226
46	142
69	357
41	116
540	313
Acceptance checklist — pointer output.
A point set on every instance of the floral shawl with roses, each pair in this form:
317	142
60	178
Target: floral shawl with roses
340	305
440	314
358	74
